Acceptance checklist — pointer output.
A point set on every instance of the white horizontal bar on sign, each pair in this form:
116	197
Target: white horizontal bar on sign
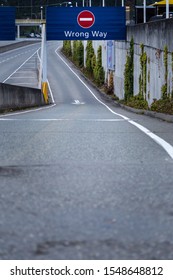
85	19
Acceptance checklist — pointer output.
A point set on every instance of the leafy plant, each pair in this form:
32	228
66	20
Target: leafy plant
163	106
137	102
98	71
129	72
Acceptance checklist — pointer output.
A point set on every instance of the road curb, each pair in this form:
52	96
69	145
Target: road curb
153	114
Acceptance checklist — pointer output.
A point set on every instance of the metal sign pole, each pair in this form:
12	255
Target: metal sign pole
144	11
167	8
43	66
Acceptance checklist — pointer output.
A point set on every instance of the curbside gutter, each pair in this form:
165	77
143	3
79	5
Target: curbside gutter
14	97
153	114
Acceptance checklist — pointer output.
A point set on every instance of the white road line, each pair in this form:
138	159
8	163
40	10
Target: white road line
165	145
50	120
77	102
21	48
19	67
12	57
19	77
25	72
27	111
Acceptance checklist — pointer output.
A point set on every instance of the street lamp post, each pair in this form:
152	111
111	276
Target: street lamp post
41	12
66	3
31	9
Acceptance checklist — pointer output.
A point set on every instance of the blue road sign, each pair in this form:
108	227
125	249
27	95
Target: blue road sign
7	23
88	23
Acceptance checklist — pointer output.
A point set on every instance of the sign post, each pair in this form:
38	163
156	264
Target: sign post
167	8
43	66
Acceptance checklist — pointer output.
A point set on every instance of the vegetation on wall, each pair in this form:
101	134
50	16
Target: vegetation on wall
75	53
67	50
172	74
94	68
164	88
95	71
143	73
128	72
90	59
165	104
136	101
98	71
78	53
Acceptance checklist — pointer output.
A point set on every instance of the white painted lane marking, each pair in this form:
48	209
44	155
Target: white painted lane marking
14	56
50	120
25	72
20	67
165	145
27	111
77	102
20	77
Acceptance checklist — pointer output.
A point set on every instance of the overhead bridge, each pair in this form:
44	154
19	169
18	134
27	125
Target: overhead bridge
28	22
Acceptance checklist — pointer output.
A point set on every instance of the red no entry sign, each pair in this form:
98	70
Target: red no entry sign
86	19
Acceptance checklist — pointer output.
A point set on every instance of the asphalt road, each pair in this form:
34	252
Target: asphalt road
20	66
84	179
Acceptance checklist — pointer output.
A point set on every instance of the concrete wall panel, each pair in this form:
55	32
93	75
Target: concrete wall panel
12	97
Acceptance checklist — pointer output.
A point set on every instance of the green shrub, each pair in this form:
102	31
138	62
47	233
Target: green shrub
164	88
67	50
89	57
163	106
98	71
129	72
78	53
137	102
143	73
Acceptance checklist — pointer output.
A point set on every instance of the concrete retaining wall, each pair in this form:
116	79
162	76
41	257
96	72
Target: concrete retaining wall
16	97
153	34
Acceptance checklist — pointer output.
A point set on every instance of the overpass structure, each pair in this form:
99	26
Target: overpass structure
28	22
